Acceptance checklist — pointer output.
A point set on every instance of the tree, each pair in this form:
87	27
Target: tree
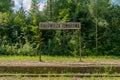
20	25
97	8
6	5
5	18
35	16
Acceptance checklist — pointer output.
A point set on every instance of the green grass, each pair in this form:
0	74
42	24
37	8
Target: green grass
18	58
34	58
59	58
100	58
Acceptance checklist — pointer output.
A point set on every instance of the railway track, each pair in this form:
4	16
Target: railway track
80	71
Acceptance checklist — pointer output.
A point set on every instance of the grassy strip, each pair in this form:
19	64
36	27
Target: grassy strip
60	75
101	58
34	58
17	77
59	58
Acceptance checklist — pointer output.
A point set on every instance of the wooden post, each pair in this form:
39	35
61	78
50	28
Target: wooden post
40	55
80	45
39	51
39	48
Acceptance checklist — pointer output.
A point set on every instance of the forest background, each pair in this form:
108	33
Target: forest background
100	28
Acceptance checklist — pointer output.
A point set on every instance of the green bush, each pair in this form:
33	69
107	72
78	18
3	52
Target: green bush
18	49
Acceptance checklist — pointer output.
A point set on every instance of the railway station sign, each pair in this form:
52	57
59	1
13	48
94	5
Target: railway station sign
57	25
60	26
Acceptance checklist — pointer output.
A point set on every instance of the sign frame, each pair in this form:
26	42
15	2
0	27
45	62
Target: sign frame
62	26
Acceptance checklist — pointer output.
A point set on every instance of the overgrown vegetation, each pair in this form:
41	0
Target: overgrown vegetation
19	34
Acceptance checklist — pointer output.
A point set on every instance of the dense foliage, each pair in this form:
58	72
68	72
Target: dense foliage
19	33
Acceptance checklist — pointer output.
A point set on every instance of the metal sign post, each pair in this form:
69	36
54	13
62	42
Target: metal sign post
61	26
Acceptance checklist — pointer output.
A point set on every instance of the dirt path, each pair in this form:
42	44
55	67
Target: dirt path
57	63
